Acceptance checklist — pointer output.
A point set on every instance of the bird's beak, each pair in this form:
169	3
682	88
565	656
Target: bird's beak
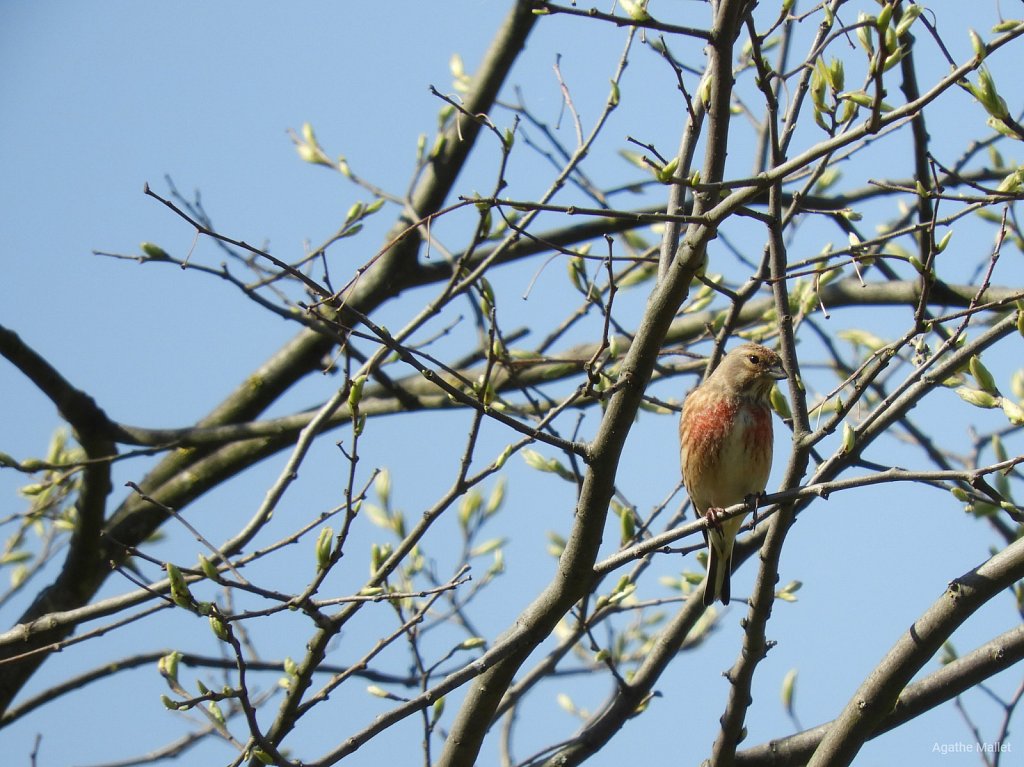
776	372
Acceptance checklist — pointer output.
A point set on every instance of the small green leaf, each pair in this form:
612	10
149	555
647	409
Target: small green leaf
382	486
487	547
788	592
788	691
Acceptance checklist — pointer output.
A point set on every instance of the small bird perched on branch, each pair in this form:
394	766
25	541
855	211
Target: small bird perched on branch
725	436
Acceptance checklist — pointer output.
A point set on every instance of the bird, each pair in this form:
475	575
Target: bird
725	437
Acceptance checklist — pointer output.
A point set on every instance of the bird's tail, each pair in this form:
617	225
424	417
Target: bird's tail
718	584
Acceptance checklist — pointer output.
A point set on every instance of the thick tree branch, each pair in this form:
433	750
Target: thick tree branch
879	693
918	698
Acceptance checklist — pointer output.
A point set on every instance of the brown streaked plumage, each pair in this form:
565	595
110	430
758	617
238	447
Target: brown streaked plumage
725	436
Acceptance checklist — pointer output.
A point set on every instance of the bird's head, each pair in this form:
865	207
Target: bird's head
749	370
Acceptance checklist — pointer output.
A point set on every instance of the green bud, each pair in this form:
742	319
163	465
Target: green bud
502	457
1013	411
382	486
220	628
324	543
627	526
208	568
168	665
779	403
910	14
154	252
550	465
635	9
976	397
497	497
882	21
180	594
665	174
377	557
836	75
866	22
818	86
849	437
960	494
1017	379
977	44
356	211
356	392
1006	26
1013	182
215	712
439	144
486	295
982	376
988	95
469	506
860	98
705	91
436	709
262	756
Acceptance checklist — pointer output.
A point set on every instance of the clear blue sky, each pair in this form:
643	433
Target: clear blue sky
100	98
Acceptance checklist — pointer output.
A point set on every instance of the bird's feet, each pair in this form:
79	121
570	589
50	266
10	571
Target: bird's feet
714	517
752	500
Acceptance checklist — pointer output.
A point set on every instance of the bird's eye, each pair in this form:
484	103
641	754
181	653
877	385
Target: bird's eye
754	359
